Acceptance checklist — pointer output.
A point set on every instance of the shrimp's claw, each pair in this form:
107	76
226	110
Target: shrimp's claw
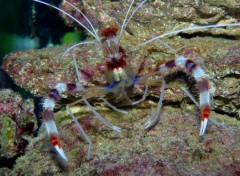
205	112
203	127
52	132
61	152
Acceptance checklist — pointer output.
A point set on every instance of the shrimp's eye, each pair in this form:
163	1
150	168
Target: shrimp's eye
109	31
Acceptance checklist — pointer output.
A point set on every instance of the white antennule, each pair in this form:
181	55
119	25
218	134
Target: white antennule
187	29
136	9
125	18
70	16
125	22
89	22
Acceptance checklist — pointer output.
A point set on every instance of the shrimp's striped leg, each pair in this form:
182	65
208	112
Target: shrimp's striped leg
204	103
52	132
196	103
191	67
48	115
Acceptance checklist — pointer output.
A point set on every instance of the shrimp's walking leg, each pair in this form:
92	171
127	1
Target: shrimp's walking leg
191	67
85	136
112	106
100	118
144	95
153	119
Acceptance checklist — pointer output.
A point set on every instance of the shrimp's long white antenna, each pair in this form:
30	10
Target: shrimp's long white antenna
166	45
70	16
89	22
125	18
125	25
81	43
187	29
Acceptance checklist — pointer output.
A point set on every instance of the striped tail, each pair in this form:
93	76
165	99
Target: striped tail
191	67
48	115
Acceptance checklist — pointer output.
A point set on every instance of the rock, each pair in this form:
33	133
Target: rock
173	146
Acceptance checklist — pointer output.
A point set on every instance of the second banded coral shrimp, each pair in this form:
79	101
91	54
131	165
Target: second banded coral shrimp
120	76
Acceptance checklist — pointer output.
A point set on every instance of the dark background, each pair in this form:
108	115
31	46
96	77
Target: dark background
25	24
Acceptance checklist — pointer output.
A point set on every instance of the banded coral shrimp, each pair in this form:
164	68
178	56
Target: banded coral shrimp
120	77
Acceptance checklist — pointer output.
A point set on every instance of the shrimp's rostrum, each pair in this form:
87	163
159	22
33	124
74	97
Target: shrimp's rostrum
120	76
